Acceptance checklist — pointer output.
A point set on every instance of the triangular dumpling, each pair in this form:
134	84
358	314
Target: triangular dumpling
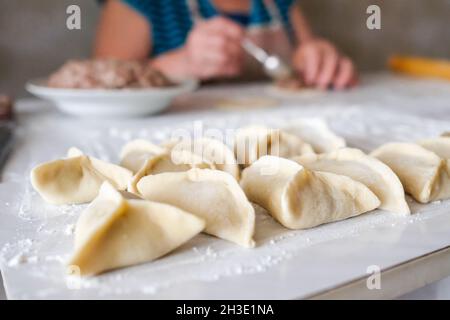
316	132
169	161
299	198
77	178
115	232
212	150
253	142
368	170
423	173
74	152
439	145
136	152
212	195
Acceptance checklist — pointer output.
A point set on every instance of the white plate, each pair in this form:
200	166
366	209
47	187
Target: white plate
110	102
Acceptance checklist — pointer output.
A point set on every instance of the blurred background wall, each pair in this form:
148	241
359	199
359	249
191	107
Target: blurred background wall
415	27
34	39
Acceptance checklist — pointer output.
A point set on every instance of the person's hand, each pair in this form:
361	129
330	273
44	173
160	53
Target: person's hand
213	49
322	66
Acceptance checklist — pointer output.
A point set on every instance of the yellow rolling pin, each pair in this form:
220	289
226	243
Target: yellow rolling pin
422	67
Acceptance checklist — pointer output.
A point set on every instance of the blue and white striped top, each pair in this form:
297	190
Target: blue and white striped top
171	20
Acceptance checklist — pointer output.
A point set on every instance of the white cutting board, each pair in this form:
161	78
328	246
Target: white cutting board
36	238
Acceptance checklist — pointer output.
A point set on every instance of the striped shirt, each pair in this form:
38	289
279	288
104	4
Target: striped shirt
171	20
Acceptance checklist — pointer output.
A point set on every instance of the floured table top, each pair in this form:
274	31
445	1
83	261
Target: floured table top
36	238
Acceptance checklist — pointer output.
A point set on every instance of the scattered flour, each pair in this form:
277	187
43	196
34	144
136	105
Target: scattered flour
204	258
70	229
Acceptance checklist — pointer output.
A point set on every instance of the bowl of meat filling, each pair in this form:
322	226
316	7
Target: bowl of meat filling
106	87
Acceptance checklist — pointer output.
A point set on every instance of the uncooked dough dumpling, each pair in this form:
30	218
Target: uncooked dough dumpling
76	179
299	198
212	150
253	142
424	175
371	172
115	232
169	161
440	146
136	152
316	132
212	195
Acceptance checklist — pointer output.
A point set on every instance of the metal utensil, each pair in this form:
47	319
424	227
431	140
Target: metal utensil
273	65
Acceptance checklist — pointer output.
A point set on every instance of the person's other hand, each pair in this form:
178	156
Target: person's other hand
322	66
213	49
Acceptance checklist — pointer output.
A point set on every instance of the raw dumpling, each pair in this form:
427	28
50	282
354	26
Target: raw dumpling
316	132
371	172
440	146
423	173
169	161
115	232
74	152
253	142
212	150
299	198
212	195
77	178
136	152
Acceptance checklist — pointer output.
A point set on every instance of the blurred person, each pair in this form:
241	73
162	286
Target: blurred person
202	39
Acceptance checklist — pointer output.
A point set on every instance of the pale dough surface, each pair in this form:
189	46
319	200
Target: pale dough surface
212	150
370	171
168	161
316	132
77	178
299	198
114	232
253	142
439	145
423	173
134	154
212	195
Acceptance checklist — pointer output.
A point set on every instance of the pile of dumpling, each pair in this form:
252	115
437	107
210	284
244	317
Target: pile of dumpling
161	196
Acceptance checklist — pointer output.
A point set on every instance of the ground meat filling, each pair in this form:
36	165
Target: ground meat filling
107	74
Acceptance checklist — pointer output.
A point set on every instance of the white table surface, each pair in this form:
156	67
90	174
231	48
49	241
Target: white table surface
285	264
